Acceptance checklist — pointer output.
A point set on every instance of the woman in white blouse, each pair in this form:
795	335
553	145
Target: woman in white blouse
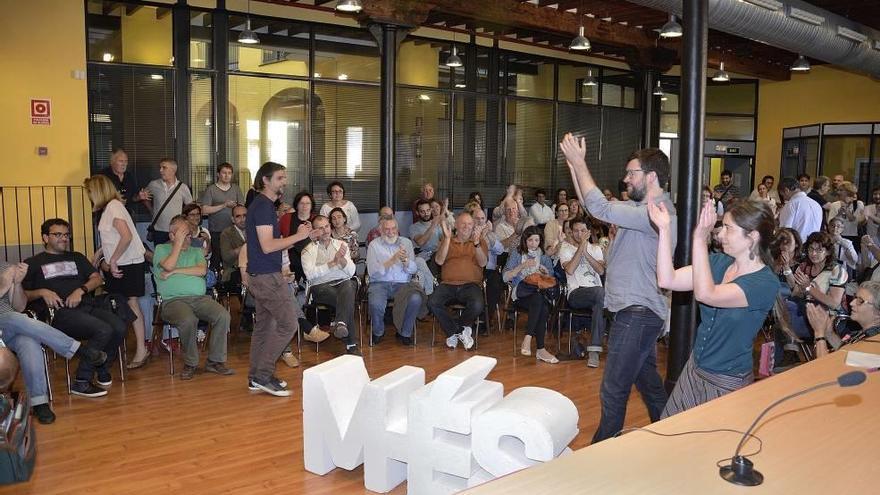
337	200
123	252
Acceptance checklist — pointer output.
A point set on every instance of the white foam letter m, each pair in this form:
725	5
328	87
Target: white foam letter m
348	420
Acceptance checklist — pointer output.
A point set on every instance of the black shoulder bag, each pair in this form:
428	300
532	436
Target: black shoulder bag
151	229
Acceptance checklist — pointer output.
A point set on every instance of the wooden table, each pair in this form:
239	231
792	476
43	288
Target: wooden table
825	443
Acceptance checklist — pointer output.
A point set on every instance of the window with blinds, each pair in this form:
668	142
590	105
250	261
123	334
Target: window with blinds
581	121
530	144
131	108
621	135
345	142
477	149
423	144
268	121
202	160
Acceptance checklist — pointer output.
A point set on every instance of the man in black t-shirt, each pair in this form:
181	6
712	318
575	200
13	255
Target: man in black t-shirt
277	309
58	285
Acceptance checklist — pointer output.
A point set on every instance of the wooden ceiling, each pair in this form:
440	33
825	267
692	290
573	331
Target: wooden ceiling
617	29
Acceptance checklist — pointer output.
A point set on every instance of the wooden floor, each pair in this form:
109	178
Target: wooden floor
156	434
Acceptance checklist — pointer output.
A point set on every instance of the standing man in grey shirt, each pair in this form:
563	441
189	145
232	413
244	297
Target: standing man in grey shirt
218	201
160	189
631	291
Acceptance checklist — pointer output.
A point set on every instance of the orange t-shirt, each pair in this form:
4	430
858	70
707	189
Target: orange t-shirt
461	265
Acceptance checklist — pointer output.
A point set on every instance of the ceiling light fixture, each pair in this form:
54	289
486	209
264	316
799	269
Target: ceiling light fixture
672	29
580	42
342	77
108	57
352	6
801	64
248	37
454	60
658	91
590	80
157	77
721	75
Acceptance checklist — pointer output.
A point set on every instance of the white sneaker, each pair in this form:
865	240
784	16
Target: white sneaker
200	336
467	338
452	342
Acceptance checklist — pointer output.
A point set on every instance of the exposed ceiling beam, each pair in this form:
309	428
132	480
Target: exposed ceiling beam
162	12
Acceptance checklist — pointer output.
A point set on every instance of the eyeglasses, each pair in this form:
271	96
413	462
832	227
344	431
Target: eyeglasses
60	235
629	173
861	301
816	249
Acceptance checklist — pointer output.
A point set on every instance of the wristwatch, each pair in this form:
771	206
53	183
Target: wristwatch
787	272
84	289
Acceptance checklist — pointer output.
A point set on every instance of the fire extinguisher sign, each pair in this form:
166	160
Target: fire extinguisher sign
41	112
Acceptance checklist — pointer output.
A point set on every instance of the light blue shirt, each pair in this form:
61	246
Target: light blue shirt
379	251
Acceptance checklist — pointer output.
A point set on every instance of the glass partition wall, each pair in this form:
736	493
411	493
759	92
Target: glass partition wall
308	96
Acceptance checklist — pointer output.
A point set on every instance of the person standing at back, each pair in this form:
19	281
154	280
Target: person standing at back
169	192
631	290
217	202
276	307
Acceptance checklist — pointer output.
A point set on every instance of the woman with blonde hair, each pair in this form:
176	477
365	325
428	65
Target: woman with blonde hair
123	265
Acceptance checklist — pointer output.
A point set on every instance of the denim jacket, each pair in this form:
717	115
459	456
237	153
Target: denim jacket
514	260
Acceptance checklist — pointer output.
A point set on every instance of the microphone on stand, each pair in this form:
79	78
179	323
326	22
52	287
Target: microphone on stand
741	470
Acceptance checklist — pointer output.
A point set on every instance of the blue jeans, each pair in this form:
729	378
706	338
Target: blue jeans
378	295
632	359
592	298
24	335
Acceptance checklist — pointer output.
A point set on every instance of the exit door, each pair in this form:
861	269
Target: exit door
740	167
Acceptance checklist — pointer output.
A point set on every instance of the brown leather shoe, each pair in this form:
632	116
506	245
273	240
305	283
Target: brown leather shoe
316	335
188	372
218	368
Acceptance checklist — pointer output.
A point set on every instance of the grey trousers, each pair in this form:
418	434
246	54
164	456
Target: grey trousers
276	323
185	313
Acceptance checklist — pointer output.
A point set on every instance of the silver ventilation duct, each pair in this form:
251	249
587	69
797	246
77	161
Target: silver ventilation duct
792	25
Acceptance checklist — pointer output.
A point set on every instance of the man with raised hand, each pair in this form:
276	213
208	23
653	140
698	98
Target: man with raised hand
631	290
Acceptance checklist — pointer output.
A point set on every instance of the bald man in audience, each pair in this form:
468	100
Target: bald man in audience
461	258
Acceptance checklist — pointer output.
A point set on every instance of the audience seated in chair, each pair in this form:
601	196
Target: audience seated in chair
865	310
390	265
491	273
526	260
329	270
584	265
180	279
24	336
461	258
231	240
62	282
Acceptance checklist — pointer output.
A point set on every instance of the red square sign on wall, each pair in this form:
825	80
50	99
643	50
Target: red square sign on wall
41	112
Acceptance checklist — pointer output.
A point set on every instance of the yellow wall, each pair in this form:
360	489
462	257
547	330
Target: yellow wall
38	58
823	95
145	39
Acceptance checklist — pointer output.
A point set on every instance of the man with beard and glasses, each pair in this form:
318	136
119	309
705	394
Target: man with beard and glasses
631	290
277	308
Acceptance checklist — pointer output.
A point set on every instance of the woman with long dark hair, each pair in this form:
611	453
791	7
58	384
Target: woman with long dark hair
529	259
736	289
